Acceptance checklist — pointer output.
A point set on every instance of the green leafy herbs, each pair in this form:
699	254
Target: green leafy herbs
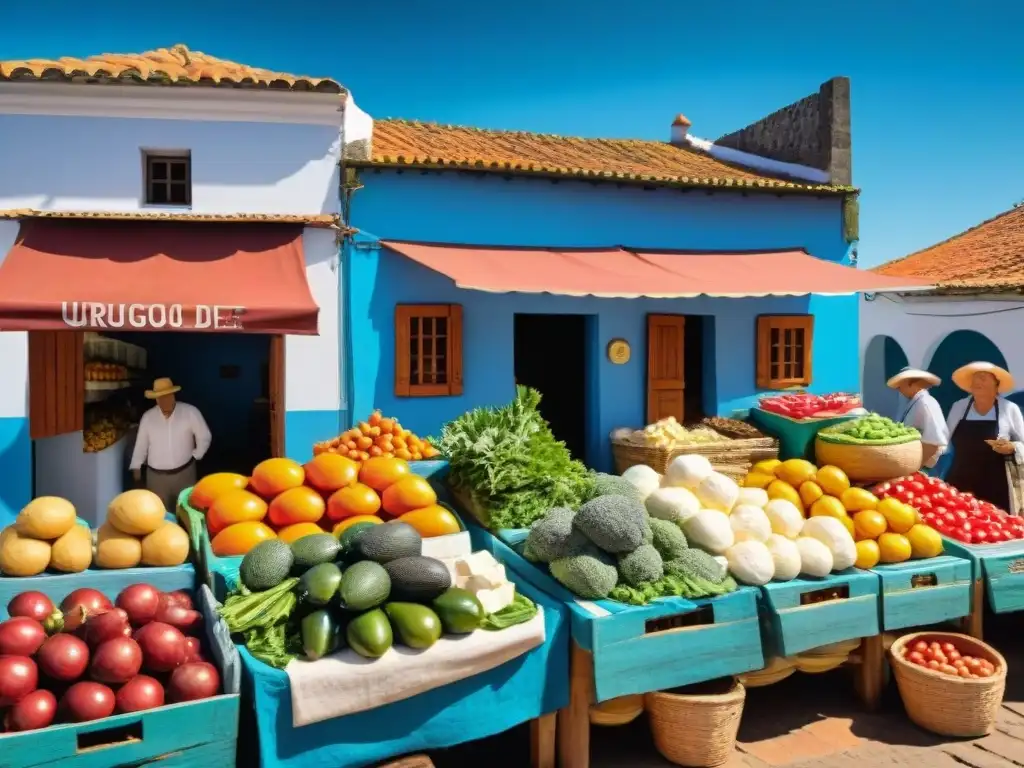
521	610
277	645
669	585
511	463
244	610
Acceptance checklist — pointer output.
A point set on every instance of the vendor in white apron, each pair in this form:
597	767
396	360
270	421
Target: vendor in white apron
987	436
923	411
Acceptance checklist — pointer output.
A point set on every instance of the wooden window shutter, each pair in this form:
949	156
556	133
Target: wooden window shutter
784	351
428	350
56	374
455	349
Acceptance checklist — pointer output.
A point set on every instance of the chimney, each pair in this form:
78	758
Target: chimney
679	128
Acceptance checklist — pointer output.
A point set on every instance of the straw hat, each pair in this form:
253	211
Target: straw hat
913	373
162	387
962	376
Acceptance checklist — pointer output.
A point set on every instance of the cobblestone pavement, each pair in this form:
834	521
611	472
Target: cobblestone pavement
806	721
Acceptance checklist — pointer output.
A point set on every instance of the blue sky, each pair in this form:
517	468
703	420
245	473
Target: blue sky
938	87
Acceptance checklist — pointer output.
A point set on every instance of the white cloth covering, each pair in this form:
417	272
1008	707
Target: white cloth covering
1011	422
346	683
170	442
924	414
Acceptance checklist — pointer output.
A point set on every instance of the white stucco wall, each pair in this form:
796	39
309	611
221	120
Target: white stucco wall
13	349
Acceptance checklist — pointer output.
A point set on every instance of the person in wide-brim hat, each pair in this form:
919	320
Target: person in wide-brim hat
987	435
923	411
162	388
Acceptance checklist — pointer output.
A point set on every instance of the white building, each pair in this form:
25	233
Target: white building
95	156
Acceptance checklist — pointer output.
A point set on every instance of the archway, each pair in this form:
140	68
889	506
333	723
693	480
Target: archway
957	349
883	358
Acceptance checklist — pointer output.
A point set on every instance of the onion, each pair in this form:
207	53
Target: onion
190	682
139	693
92	600
21	636
101	627
36	710
177	598
63	657
116	661
87	701
140	602
33	605
19	676
193	650
163	646
183	619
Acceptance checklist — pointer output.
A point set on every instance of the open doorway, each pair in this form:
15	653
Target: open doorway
694	363
550	356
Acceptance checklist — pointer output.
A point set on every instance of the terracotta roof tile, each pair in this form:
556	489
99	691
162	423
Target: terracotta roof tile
326	220
404	143
989	256
176	65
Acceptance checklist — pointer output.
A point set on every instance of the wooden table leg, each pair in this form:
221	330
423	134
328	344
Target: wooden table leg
574	720
542	741
972	622
871	672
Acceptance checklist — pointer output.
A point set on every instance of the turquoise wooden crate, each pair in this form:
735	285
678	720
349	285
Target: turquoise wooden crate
922	592
848	609
1001	566
636	649
205	732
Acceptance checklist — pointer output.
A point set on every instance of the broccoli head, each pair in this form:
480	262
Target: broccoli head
695	563
613	523
613	485
648	531
590	574
640	566
549	537
669	539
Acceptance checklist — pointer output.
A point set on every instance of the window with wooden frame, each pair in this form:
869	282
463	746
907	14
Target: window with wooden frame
168	178
784	345
428	350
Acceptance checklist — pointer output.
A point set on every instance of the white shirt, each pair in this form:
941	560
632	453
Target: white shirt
1011	421
925	415
170	442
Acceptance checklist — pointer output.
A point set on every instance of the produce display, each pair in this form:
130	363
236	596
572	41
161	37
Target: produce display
366	589
287	500
103	429
948	659
872	429
90	658
667	433
99	371
378	436
47	534
732	427
806	406
953	513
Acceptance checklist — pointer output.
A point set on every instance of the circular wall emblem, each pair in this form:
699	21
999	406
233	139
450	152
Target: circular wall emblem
618	351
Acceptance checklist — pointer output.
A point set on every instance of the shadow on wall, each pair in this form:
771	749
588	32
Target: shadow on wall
955	350
883	359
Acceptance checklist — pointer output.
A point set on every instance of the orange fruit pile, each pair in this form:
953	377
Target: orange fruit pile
378	436
287	500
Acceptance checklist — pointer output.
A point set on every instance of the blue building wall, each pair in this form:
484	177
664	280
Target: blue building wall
461	208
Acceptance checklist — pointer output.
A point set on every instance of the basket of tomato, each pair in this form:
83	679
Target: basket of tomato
951	684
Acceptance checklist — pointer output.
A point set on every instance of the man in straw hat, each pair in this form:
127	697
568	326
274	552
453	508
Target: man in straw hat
172	437
923	411
987	436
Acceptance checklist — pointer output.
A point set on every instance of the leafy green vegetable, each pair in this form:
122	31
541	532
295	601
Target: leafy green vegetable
671	586
245	610
276	645
511	462
519	611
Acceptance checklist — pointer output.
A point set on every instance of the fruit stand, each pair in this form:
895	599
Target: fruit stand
796	418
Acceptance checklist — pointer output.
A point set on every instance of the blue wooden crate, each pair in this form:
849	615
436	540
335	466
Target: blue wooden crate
636	649
922	592
200	733
1000	566
794	625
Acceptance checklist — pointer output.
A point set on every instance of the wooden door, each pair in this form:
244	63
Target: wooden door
665	381
56	383
276	395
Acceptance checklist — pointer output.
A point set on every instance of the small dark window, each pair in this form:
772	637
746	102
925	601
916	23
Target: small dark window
168	179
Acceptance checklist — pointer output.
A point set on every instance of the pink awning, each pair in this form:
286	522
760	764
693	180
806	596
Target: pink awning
621	273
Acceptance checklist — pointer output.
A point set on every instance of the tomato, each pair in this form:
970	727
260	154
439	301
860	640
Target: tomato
920	646
964	672
916	658
882	489
984	672
947	647
981	537
949	669
933	664
924	503
916	486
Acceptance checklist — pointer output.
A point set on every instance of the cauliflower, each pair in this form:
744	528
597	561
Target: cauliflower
614	523
669	538
552	537
641	565
589	575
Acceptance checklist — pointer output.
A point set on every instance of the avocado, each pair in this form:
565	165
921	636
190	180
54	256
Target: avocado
459	610
417	579
384	543
416	625
320	583
266	565
351	535
315	549
369	634
364	585
320	634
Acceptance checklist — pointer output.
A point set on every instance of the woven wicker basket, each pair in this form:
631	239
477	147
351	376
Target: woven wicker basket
620	711
871	463
726	452
947	705
696	730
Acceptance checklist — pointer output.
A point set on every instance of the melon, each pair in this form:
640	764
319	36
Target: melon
275	476
211	487
166	546
72	552
48	517
138	512
21	555
115	549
